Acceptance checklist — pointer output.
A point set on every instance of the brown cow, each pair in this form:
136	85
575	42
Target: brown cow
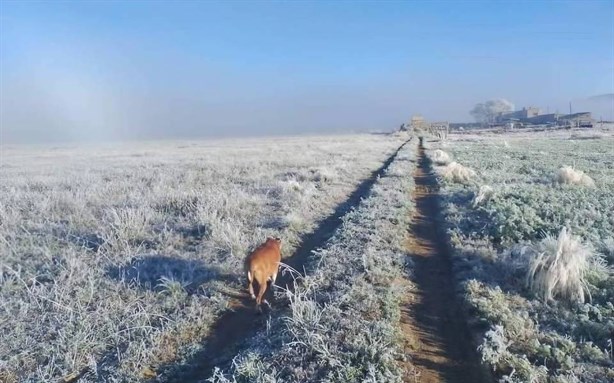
262	265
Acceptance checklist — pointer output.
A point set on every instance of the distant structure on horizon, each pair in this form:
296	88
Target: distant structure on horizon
415	122
523	114
527	116
418	123
534	116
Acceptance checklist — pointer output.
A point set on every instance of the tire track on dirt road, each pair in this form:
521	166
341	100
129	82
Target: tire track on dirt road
240	322
436	335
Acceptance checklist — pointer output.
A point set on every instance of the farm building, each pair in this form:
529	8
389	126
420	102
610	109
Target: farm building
519	115
417	122
543	119
582	120
533	116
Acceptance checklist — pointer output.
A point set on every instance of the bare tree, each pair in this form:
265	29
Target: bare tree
485	112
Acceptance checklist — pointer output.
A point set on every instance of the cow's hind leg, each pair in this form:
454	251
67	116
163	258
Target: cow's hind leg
250	284
272	280
262	285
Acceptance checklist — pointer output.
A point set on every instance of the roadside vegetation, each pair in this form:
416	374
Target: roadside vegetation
342	323
117	260
532	236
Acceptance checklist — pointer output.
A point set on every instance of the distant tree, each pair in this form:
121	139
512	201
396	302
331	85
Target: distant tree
486	112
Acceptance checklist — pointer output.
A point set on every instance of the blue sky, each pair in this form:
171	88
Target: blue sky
152	69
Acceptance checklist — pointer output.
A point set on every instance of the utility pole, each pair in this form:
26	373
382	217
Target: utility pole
569	107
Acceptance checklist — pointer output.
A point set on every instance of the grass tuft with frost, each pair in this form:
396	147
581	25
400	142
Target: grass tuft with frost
456	172
559	268
571	176
484	194
440	157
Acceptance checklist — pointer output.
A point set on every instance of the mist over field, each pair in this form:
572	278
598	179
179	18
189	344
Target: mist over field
94	71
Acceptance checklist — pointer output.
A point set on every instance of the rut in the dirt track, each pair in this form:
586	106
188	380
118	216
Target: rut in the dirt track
436	335
240	322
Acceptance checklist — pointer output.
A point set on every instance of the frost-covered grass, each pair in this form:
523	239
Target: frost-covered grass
342	324
457	173
116	259
569	175
543	299
483	195
559	267
440	157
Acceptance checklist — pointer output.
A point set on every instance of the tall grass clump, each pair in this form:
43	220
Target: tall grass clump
440	157
559	268
571	176
456	172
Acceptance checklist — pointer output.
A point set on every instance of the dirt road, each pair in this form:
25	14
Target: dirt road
436	336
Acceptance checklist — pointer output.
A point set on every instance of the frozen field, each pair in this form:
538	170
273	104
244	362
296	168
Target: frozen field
542	298
116	260
123	263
